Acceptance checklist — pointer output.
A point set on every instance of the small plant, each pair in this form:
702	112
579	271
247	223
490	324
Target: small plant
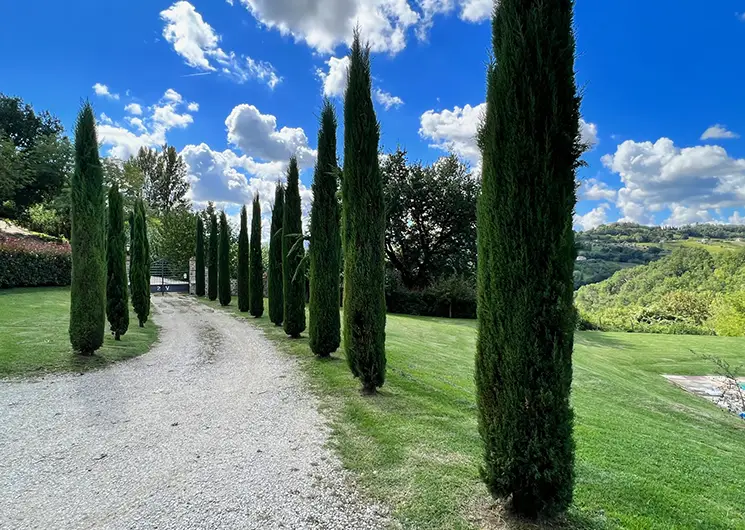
733	394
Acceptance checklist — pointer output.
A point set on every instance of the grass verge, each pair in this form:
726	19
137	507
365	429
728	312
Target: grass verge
34	338
649	455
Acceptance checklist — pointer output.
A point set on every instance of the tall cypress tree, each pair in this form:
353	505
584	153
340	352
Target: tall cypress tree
223	262
212	260
140	267
131	220
243	263
117	299
324	328
276	279
256	279
364	228
292	256
199	275
88	285
531	148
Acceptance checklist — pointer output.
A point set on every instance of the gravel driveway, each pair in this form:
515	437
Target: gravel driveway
213	429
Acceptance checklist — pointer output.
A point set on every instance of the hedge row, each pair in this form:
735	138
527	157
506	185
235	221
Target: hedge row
449	298
26	262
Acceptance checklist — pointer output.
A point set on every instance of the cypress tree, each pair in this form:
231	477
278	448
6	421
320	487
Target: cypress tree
531	148
117	299
131	243
324	327
292	256
256	278
139	266
146	263
212	260
88	282
200	257
223	261
243	267
276	279
364	228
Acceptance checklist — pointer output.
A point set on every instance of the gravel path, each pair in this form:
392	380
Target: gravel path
213	429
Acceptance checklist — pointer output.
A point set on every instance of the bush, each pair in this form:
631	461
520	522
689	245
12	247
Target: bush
27	262
451	298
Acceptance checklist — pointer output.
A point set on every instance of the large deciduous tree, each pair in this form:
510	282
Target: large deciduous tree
88	284
140	265
164	178
292	256
275	277
256	277
243	263
430	219
223	261
117	299
212	259
531	149
324	327
364	228
199	274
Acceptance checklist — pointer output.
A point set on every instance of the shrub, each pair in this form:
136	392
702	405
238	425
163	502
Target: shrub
28	262
449	297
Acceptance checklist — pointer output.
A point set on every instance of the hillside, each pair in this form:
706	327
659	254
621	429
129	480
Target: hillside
692	291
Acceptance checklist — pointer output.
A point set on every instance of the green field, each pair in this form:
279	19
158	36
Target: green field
34	339
649	455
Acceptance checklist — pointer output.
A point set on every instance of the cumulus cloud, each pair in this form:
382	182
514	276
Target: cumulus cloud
596	190
256	134
192	107
687	181
737	218
133	108
469	10
198	43
588	133
593	218
718	132
172	95
386	99
335	80
103	118
103	91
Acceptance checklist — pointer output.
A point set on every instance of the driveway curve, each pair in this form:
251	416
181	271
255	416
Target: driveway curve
212	429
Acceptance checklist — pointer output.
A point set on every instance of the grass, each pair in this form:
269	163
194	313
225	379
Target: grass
34	339
649	455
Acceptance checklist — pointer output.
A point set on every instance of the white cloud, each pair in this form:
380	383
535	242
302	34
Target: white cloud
387	100
103	90
469	10
256	134
197	42
335	80
596	190
685	215
137	124
737	218
103	118
167	116
192	107
588	133
660	176
454	130
125	143
172	95
593	218
476	10
718	132
134	108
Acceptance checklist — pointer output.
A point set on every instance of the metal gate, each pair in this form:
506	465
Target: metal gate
167	278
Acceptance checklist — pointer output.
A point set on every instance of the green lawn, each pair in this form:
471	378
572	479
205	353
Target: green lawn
34	339
649	455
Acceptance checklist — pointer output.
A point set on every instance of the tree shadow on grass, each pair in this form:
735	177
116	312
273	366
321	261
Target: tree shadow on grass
494	515
599	339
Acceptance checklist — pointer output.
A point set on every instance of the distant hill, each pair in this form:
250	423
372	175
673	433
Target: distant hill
692	290
610	248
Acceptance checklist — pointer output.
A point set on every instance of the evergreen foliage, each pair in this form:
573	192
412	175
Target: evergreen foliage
140	266
117	299
292	256
364	228
88	285
243	266
200	258
531	147
276	279
256	274
212	259
131	221
223	262
324	327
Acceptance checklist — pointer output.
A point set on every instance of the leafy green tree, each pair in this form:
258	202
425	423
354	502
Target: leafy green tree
175	237
292	256
364	228
223	262
88	285
243	266
117	298
256	277
212	259
164	179
139	266
531	148
324	329
199	275
276	279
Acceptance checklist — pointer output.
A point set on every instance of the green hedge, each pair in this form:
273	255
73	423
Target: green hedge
450	298
26	262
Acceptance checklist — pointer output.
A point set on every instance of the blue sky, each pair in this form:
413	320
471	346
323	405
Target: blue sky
237	86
